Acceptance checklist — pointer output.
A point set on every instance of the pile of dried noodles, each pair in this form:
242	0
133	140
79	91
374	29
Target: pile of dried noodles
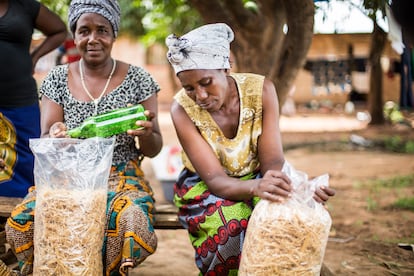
69	232
292	245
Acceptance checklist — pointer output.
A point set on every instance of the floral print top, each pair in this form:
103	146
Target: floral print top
237	155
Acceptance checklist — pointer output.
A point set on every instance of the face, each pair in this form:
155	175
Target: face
208	88
94	37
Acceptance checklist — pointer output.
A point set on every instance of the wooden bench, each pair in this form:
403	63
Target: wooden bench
165	218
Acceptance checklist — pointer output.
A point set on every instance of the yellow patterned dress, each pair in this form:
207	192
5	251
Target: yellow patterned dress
216	225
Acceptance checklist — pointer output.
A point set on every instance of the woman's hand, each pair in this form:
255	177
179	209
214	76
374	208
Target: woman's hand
274	186
145	128
58	130
323	193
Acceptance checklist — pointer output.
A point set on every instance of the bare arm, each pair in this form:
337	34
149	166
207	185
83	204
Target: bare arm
270	147
53	28
272	186
52	115
204	160
271	141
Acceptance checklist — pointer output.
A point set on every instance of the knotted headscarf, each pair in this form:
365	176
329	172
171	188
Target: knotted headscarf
207	47
107	8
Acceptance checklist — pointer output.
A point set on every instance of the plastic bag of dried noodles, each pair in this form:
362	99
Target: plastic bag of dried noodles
288	238
71	177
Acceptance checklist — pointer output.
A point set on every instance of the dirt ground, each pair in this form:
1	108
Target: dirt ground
365	229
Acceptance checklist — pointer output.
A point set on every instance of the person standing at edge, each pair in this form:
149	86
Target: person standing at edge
19	100
96	84
227	124
402	11
67	52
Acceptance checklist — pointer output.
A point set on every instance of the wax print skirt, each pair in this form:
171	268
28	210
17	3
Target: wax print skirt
17	126
129	237
216	226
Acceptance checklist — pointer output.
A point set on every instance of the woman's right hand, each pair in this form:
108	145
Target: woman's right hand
58	130
274	186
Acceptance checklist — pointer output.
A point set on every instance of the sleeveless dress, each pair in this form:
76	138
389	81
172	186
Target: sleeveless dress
217	226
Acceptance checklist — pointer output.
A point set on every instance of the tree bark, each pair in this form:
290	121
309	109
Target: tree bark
375	97
261	45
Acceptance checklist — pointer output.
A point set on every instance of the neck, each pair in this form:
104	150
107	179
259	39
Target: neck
100	70
232	95
96	99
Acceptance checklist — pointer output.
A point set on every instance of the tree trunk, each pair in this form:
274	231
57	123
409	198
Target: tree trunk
261	44
375	98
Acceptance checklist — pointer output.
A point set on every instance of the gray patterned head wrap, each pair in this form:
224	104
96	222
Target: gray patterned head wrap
207	47
107	8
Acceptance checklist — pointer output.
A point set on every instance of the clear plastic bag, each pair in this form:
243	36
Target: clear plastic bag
71	177
288	238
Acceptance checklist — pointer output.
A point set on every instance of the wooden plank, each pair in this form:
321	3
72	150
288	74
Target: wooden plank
167	221
166	217
7	204
2	241
166	208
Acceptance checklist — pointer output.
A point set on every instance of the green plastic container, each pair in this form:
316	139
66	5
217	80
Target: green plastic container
110	123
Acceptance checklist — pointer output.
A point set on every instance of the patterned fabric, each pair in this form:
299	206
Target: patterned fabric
207	47
17	126
217	226
19	103
130	236
238	155
137	86
109	9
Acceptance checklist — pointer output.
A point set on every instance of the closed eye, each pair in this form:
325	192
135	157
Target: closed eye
205	82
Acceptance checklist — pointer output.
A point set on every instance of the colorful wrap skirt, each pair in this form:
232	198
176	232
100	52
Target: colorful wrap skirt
216	226
17	126
129	238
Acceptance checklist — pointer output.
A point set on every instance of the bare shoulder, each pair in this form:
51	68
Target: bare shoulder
268	85
176	110
269	91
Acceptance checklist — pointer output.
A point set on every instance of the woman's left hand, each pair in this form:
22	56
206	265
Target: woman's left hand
144	127
323	193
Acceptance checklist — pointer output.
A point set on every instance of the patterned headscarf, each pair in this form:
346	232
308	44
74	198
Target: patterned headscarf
107	8
207	47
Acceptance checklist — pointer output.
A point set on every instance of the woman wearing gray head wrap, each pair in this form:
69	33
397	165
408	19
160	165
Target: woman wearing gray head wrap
207	47
107	8
96	84
227	124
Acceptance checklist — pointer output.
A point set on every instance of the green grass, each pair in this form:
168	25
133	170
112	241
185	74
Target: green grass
397	144
396	184
406	203
400	181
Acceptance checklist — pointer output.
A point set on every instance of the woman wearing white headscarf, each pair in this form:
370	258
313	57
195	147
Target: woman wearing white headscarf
227	124
96	84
